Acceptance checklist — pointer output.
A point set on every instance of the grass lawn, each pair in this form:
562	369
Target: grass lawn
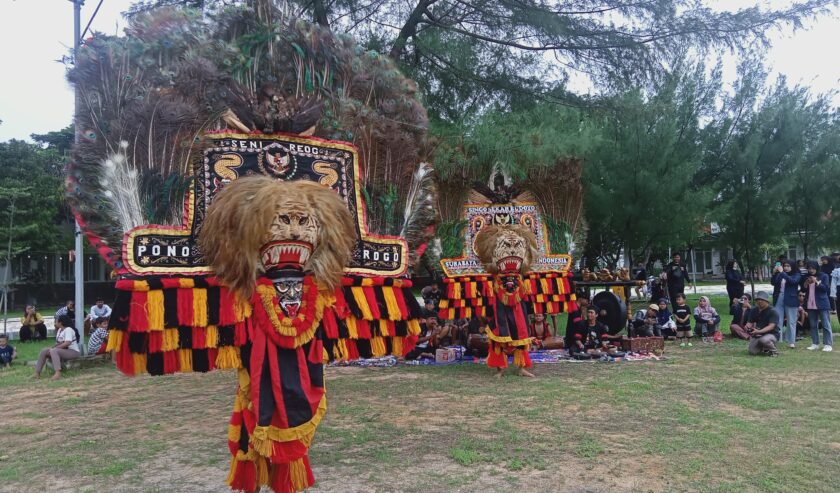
709	419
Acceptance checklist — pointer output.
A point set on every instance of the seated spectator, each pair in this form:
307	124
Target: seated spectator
99	310
68	309
99	337
32	327
666	325
576	316
431	293
591	336
427	343
7	352
539	327
644	323
429	310
741	311
66	347
764	331
476	325
706	319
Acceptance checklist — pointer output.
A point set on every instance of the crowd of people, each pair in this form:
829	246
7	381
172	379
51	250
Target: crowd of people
67	337
804	296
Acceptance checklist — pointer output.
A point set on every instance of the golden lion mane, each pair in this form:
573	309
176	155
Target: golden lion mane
239	219
487	239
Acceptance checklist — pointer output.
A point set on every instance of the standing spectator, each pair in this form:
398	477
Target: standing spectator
7	352
827	267
99	336
32	325
765	330
741	312
68	309
431	293
835	282
657	287
66	347
816	286
734	281
682	316
786	280
676	275
640	274
706	319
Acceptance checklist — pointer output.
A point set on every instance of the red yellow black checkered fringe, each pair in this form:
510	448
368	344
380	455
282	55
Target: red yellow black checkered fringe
171	325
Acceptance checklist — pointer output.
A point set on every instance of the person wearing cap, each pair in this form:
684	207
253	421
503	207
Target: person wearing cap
644	322
764	332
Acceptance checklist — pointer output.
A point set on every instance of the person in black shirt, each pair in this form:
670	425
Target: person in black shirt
676	275
591	336
433	294
741	312
766	331
576	317
682	315
7	352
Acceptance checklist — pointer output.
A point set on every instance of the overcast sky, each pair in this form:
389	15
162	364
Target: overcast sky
35	34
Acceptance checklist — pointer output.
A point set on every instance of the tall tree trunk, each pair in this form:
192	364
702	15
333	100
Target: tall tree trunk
409	29
319	11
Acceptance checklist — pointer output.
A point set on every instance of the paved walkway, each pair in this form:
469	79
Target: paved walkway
13	327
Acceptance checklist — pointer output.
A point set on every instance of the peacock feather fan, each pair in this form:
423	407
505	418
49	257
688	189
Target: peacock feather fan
146	99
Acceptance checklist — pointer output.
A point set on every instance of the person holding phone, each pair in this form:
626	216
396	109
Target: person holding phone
786	279
816	287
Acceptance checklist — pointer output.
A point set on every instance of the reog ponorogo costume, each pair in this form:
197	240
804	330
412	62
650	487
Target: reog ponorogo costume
234	219
505	274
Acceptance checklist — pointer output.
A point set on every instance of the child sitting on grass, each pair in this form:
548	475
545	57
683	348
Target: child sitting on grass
682	315
99	336
707	319
7	352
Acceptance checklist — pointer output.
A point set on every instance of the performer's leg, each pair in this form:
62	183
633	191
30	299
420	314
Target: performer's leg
522	360
496	357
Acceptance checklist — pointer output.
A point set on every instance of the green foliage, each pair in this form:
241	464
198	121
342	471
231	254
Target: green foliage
771	156
451	236
31	197
639	187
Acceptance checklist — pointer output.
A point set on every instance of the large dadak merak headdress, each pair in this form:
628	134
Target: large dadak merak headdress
220	174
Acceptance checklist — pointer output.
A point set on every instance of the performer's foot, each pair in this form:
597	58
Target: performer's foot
499	373
525	373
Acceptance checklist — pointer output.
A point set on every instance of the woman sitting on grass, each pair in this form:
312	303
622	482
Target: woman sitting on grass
66	347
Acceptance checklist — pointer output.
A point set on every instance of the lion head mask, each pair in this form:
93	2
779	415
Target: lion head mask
506	249
261	225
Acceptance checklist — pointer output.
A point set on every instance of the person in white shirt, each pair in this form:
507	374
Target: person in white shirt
99	310
66	347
